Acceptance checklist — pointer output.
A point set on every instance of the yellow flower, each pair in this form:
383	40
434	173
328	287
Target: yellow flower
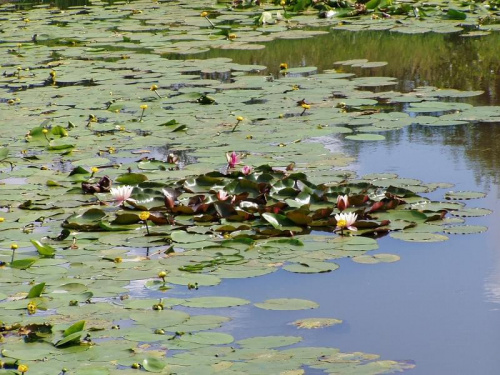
22	368
154	87
117	260
162	274
26	20
239	118
283	66
306	106
14	246
204	14
94	169
31	308
144	215
144	107
53	73
231	36
282	3
45	131
2	219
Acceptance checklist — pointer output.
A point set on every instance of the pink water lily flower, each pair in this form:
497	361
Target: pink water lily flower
232	159
121	193
222	195
342	202
346	221
246	170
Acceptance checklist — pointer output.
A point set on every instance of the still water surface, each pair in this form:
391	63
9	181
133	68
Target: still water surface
440	305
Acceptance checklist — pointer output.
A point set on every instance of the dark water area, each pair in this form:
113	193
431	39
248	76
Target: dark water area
439	306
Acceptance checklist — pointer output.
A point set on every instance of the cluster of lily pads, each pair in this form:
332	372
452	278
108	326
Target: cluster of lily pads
122	196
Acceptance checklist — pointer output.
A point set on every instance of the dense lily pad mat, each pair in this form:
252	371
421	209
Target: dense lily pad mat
86	274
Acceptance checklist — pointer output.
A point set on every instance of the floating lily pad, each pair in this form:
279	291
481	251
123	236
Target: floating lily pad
214	302
315	323
287	304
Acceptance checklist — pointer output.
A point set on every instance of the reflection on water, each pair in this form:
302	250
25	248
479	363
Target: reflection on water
444	61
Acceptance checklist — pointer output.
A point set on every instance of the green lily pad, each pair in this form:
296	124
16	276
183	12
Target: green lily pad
287	304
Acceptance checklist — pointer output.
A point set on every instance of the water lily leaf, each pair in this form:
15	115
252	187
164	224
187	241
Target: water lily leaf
268	342
29	352
459	195
376	258
419	237
74	328
131	178
454	14
152	364
471	212
36	290
314	323
72	339
44	250
22	264
365	137
465	229
214	302
287	304
185	237
208	338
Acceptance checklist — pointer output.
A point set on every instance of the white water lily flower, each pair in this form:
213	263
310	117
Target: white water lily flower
346	221
121	193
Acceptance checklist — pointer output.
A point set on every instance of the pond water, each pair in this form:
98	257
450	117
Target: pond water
437	308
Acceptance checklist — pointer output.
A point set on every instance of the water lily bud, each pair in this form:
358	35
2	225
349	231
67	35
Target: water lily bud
144	107
14	246
306	106
2	219
117	260
154	87
94	169
45	131
22	368
283	66
239	118
159	331
136	366
204	14
162	274
282	3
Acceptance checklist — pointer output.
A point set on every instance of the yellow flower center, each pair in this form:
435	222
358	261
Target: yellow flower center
94	169
22	368
342	223
144	107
